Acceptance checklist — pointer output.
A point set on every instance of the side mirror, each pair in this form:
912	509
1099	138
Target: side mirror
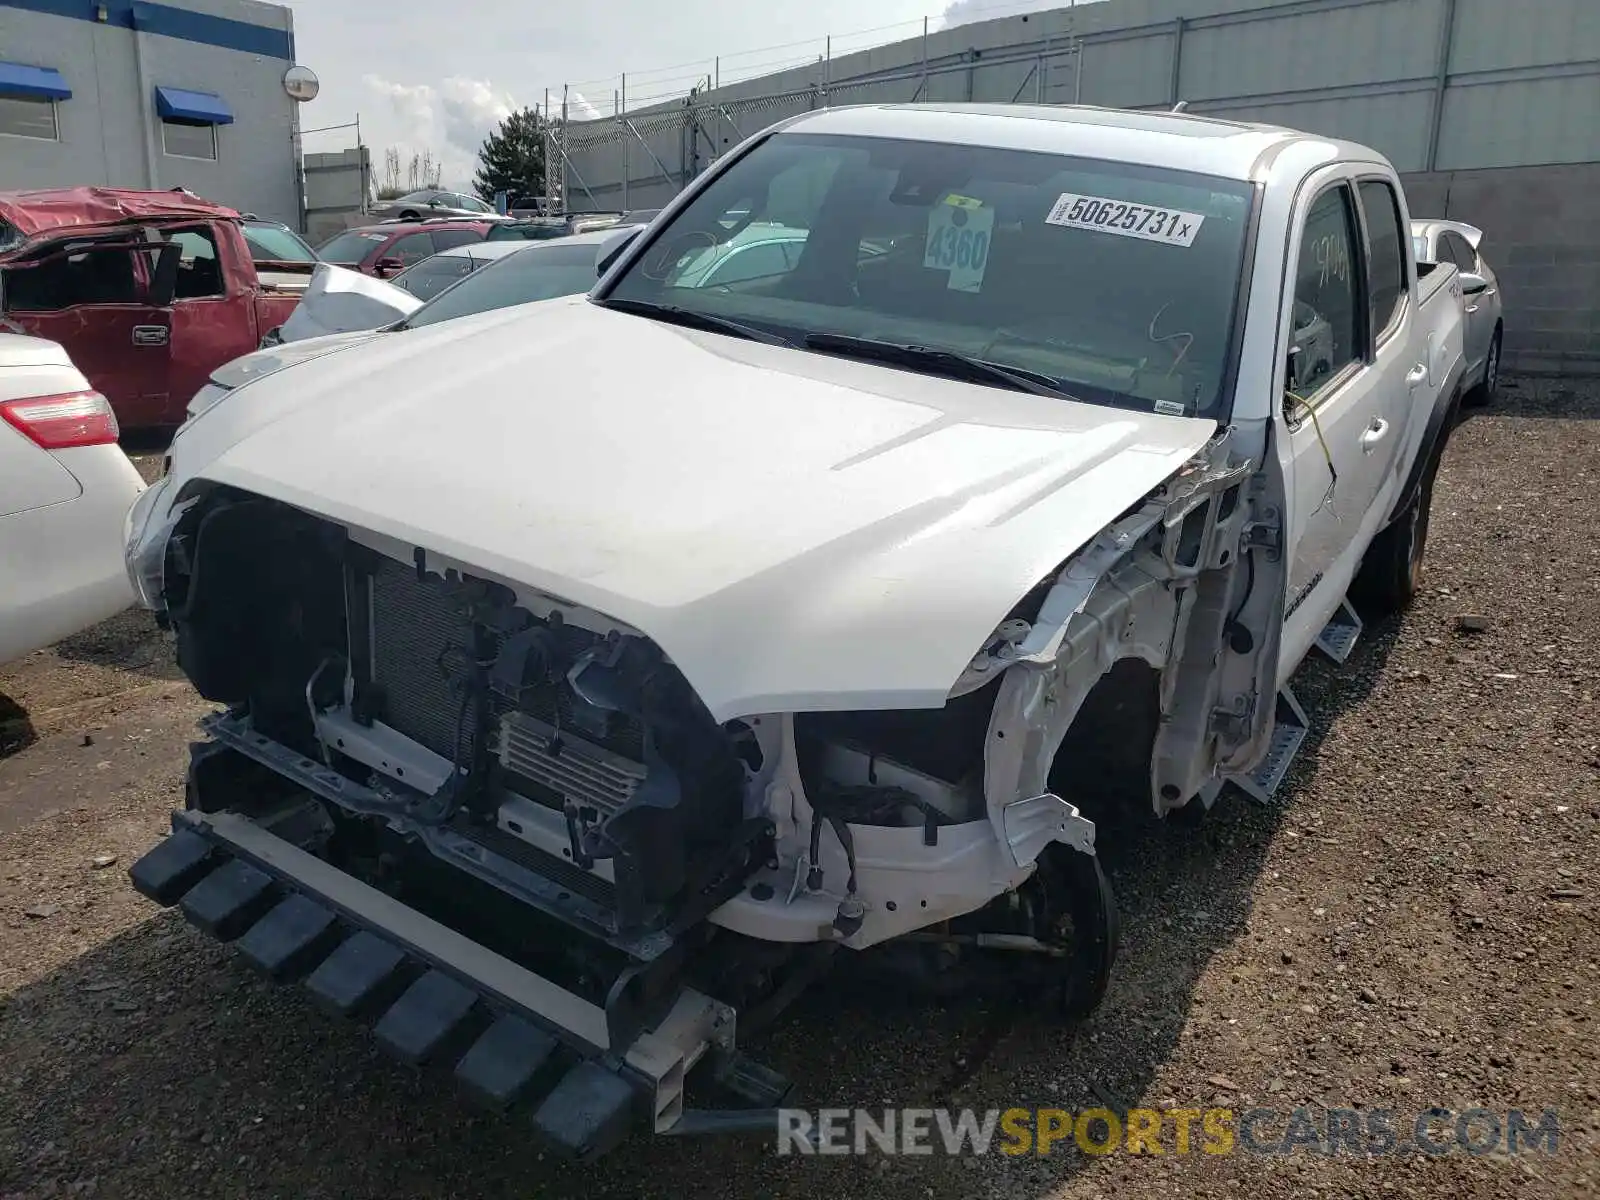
612	248
386	267
1291	378
434	203
1473	284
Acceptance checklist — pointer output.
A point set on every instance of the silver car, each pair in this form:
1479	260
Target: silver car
1456	242
435	202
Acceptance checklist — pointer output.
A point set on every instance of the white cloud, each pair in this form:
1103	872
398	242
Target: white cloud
450	120
965	12
579	109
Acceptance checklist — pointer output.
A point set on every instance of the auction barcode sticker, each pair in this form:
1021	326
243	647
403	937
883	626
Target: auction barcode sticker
1126	219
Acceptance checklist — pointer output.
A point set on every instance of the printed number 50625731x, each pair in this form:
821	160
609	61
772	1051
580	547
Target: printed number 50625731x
1126	219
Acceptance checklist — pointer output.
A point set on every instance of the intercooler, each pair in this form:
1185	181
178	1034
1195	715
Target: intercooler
421	659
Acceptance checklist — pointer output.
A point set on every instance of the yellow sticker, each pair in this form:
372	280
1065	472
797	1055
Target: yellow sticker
962	201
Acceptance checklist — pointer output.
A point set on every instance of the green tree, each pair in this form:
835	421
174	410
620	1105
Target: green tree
511	158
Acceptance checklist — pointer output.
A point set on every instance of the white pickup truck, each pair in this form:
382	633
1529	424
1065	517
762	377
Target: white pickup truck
597	669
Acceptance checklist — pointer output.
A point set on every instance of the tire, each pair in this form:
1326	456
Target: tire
1391	571
1485	392
408	215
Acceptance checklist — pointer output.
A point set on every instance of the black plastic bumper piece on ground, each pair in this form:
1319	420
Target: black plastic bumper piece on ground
355	977
227	902
511	1035
430	1012
588	1113
506	1061
172	867
291	939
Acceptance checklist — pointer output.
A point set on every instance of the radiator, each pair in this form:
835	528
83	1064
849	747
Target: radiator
419	644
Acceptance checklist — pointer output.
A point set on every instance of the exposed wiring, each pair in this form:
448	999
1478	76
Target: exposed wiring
1333	473
1186	337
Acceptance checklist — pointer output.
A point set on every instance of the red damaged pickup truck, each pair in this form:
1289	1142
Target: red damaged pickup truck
148	291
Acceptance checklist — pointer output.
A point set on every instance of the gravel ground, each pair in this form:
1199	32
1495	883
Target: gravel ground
1414	926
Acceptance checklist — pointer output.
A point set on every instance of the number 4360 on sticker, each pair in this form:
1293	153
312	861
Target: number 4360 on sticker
958	242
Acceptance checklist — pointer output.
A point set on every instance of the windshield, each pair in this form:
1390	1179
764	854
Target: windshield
537	273
347	249
431	276
270	243
1117	281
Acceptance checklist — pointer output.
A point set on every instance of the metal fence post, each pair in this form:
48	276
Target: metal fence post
627	147
1174	87
1447	28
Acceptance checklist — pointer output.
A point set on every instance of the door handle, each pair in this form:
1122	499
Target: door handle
1417	375
150	335
1376	432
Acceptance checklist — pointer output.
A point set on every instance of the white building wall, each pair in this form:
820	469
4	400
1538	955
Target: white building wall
109	132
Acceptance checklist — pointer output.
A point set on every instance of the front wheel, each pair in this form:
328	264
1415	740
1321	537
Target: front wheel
408	215
1486	391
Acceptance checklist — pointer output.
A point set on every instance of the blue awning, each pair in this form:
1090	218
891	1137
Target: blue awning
203	108
45	83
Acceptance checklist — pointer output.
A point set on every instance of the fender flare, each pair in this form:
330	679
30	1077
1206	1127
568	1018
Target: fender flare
1441	423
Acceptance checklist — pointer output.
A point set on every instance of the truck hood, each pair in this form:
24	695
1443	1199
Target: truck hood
795	531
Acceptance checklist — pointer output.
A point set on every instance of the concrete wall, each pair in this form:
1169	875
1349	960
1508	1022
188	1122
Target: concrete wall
109	132
336	191
1542	237
1500	101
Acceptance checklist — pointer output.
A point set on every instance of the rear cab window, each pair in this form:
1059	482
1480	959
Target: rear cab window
199	271
1389	285
1118	281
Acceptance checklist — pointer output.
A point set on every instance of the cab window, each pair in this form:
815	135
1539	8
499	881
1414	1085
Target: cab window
199	273
412	248
1387	282
1327	331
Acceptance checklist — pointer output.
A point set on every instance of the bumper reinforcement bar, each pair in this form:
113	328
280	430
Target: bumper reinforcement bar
432	994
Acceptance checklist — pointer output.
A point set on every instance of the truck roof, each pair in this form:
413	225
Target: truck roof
31	213
1182	141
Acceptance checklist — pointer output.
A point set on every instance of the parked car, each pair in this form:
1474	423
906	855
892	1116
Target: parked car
283	259
383	251
544	228
1461	244
435	202
65	487
338	313
147	291
683	639
428	278
759	250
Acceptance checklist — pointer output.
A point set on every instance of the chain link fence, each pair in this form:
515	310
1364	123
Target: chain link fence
642	159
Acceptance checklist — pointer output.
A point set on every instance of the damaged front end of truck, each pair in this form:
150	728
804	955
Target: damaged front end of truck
506	831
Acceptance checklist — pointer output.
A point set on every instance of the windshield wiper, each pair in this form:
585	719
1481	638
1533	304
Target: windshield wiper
695	320
946	362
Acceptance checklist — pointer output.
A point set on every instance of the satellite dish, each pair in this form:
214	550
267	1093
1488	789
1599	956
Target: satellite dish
301	83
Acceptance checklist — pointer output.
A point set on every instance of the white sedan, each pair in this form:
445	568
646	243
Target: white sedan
65	488
1458	243
345	308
